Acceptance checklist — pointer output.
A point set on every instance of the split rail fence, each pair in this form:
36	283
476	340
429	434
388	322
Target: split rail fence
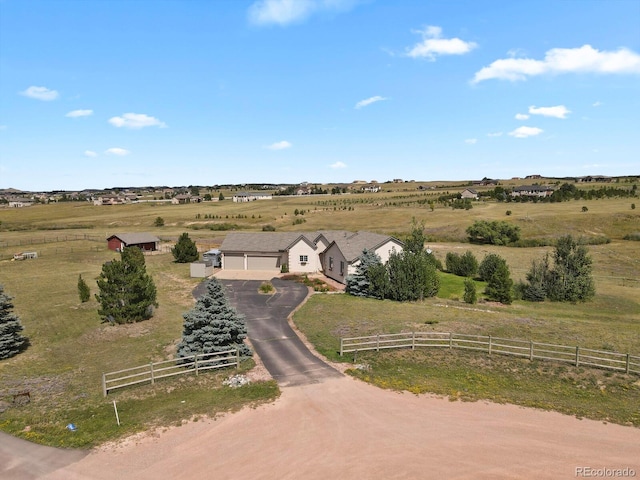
577	356
151	372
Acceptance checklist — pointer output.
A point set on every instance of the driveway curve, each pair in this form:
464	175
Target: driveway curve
282	352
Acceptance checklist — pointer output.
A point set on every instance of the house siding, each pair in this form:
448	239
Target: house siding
334	255
303	248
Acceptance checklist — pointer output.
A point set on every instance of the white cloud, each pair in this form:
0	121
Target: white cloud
471	141
136	121
279	145
495	134
369	101
40	93
79	113
559	111
120	152
585	59
597	104
285	12
522	116
91	153
338	165
433	44
524	132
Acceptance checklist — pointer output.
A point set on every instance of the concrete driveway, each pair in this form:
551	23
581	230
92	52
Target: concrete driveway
283	354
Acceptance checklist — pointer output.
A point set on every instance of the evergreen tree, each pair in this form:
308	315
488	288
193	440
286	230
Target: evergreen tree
12	341
535	290
470	294
500	286
412	276
464	265
414	243
571	280
489	265
185	250
359	284
83	290
212	325
127	292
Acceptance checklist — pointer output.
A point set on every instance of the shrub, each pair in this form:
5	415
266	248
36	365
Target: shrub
284	268
268	228
585	209
266	287
83	290
464	265
635	236
159	222
494	233
470	294
508	213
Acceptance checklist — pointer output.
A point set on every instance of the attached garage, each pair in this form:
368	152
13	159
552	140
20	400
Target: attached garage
234	262
263	263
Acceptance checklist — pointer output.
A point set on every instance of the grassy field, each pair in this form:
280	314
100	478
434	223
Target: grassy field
70	348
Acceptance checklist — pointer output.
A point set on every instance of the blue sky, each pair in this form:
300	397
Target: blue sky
96	94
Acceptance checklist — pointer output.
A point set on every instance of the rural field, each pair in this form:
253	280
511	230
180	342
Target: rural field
70	348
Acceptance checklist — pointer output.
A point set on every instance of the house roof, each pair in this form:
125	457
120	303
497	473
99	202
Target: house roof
263	242
352	246
135	238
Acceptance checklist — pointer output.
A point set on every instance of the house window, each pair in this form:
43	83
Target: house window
304	258
341	268
330	263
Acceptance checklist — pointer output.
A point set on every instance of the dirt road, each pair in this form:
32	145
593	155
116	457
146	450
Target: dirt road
346	429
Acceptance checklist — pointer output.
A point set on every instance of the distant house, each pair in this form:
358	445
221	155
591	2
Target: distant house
469	193
110	200
251	196
144	241
19	202
336	253
532	191
185	198
371	188
533	177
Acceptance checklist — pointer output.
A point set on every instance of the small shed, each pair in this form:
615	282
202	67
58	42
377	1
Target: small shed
201	269
213	256
144	241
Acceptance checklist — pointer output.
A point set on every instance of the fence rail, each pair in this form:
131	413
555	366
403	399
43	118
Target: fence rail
623	362
151	372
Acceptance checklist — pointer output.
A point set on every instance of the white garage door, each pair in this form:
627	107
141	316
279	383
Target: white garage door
263	263
234	262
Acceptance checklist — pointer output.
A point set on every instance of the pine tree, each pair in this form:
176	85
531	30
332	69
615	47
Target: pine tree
185	250
359	284
12	341
470	294
212	325
499	286
127	292
83	290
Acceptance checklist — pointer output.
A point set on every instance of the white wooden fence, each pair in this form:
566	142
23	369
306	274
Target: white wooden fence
577	356
151	372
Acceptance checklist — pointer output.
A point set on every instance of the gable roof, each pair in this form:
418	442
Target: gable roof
135	238
263	242
352	246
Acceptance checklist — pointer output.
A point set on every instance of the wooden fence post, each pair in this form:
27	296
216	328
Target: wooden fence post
489	344
531	350
626	370
341	346
151	368
104	384
577	356
378	343
237	358
450	340
195	360
413	340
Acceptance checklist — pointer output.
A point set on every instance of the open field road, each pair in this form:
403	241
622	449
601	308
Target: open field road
343	428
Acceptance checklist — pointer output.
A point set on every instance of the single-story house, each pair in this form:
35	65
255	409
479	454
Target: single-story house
335	253
342	253
532	191
144	241
19	202
251	196
185	198
469	193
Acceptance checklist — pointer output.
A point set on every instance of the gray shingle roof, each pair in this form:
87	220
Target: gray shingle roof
352	246
262	242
